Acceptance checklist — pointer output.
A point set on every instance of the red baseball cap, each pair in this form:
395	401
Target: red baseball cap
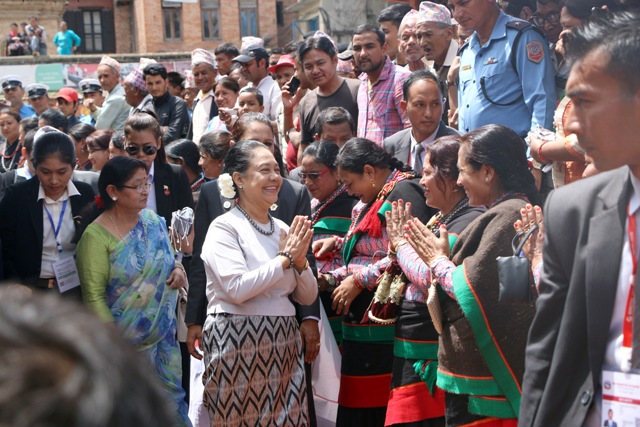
284	61
68	94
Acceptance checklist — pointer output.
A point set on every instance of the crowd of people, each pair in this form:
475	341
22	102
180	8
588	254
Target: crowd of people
377	194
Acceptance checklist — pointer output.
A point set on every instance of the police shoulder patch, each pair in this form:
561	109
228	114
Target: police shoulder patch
535	51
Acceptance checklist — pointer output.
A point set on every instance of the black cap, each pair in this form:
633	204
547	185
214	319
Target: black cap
251	53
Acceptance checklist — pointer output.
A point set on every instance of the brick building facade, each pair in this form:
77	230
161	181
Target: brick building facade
154	26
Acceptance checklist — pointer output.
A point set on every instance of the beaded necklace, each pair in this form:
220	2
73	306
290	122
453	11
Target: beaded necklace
255	225
320	206
13	156
438	219
144	234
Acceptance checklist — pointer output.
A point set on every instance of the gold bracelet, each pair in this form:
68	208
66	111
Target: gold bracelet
300	270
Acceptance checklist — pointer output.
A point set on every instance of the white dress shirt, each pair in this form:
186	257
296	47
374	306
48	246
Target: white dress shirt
414	144
613	357
66	233
151	200
201	118
272	96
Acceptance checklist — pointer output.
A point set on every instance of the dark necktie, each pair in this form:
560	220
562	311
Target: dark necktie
417	166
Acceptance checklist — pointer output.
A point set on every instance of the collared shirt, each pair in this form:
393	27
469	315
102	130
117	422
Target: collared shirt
66	233
414	145
533	84
613	354
272	96
380	114
146	100
201	115
27	111
151	201
24	172
114	110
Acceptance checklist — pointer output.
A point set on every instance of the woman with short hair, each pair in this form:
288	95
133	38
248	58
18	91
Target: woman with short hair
255	266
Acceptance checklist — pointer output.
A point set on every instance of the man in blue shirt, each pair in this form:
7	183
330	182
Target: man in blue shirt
495	87
14	93
66	40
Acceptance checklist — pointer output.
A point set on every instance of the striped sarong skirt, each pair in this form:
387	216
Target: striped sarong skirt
254	371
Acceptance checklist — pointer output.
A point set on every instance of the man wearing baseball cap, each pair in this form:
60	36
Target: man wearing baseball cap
91	93
255	62
13	92
67	100
38	95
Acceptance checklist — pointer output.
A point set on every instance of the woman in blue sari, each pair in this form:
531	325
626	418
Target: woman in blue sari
128	274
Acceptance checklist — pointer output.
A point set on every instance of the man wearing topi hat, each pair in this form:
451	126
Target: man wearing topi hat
437	40
13	92
115	109
203	67
136	93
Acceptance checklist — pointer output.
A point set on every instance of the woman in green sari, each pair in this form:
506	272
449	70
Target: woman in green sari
128	274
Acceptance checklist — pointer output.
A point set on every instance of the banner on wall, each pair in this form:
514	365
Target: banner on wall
57	76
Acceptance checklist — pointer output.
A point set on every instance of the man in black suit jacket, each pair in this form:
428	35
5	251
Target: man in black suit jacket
585	282
424	103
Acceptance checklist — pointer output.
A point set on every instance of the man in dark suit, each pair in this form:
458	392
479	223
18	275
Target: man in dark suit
577	332
423	101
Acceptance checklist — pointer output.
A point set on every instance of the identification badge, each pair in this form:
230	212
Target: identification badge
66	274
620	399
465	68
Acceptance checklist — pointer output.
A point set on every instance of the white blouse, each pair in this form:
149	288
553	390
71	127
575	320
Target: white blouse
243	274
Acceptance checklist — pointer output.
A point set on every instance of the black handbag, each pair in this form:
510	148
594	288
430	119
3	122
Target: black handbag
513	272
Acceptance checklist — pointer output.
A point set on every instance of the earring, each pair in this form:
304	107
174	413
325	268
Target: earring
114	199
241	187
486	180
373	184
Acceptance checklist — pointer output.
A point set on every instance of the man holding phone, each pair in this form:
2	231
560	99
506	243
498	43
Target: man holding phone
319	60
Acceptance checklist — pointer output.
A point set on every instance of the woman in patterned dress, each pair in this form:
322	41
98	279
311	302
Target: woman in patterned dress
377	179
128	274
256	267
331	208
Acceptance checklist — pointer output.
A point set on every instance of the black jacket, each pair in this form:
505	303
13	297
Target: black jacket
173	191
172	112
21	228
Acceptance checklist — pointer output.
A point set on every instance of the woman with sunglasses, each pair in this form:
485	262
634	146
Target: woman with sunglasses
170	188
128	273
37	216
331	207
170	191
98	146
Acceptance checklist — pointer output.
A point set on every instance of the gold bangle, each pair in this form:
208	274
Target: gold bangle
300	270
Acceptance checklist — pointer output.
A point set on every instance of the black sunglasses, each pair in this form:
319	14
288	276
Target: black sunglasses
148	150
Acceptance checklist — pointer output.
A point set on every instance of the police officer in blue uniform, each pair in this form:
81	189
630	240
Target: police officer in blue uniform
14	93
90	88
506	73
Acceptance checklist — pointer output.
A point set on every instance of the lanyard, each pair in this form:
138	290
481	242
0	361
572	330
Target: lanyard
56	231
627	327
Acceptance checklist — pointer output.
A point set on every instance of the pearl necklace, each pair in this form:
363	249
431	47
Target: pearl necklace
255	225
144	234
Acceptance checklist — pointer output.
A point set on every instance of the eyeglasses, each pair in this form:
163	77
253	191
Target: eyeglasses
140	188
313	175
148	150
539	19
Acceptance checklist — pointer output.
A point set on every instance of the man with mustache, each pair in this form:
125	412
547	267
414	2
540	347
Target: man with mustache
380	114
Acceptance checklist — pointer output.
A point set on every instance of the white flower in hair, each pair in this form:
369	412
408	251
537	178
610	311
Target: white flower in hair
225	183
